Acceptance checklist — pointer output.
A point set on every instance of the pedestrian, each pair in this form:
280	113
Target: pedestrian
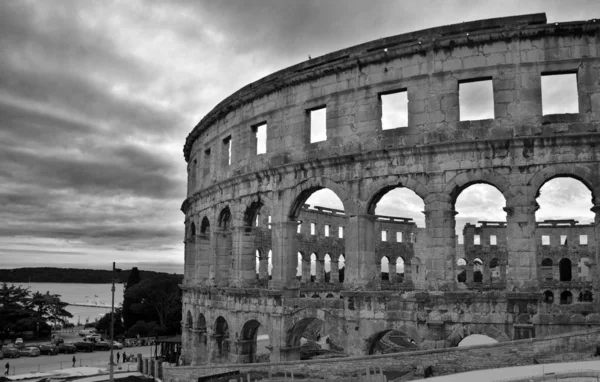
124	356
118	356
74	361
7	368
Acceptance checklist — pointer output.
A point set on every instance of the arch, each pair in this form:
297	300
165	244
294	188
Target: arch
205	226
462	331
295	333
221	336
327	268
461	265
575	171
225	218
189	322
564	268
201	322
476	339
587	296
464	180
385	268
313	266
192	230
299	267
566	297
547	262
252	211
390	341
341	268
400	269
548	297
306	188
251	346
379	188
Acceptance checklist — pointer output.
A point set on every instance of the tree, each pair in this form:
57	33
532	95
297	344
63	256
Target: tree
130	317
14	310
160	295
50	308
103	324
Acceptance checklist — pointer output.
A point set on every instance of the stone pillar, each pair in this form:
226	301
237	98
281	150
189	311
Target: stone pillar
203	258
190	261
487	275
200	348
334	273
244	254
285	255
361	268
407	273
521	246
223	259
306	270
263	266
320	271
469	282
439	259
593	275
392	271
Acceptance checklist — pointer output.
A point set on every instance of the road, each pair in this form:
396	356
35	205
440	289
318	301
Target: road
98	358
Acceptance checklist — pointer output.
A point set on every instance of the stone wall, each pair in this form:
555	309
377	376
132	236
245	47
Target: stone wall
572	346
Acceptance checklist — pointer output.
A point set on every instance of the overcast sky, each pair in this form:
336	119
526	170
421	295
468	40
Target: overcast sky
97	98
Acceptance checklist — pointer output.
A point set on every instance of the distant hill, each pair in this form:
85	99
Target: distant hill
68	275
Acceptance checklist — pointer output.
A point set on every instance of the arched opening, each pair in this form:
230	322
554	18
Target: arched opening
192	231
586	296
494	270
385	268
399	269
205	226
225	218
299	267
477	270
252	212
476	339
341	268
315	198
548	297
547	269
314	339
566	298
313	267
390	341
254	343
564	268
221	336
270	264
480	231
327	267
461	267
189	320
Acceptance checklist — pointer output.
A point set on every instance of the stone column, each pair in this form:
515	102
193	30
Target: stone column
201	348
203	256
334	273
244	254
392	271
469	281
190	261
593	275
285	255
222	256
305	270
361	268
439	260
486	274
320	271
521	246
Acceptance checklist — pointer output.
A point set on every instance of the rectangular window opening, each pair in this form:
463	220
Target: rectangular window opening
227	151
394	110
269	222
257	220
260	132
313	228
582	239
326	230
476	240
493	240
413	237
399	237
299	230
318	125
559	93
563	239
476	99
545	240
383	235
206	162
341	233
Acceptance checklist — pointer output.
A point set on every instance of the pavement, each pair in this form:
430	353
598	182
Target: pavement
88	374
507	374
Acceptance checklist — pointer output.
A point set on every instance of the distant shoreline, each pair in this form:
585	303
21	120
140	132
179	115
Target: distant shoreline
68	275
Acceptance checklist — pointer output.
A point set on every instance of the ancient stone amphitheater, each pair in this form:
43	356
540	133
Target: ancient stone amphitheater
250	292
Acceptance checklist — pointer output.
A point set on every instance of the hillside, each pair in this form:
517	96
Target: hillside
67	275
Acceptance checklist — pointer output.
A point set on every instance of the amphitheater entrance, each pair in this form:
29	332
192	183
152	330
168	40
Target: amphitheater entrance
391	341
254	342
476	339
315	339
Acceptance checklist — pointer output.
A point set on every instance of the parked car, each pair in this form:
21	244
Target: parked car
49	349
102	345
67	348
19	343
30	351
86	332
84	346
11	352
117	345
57	340
94	338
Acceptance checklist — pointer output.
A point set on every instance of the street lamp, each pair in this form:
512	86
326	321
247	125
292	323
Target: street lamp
112	322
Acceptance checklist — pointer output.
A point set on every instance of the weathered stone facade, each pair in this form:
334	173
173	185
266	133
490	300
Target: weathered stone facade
437	156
